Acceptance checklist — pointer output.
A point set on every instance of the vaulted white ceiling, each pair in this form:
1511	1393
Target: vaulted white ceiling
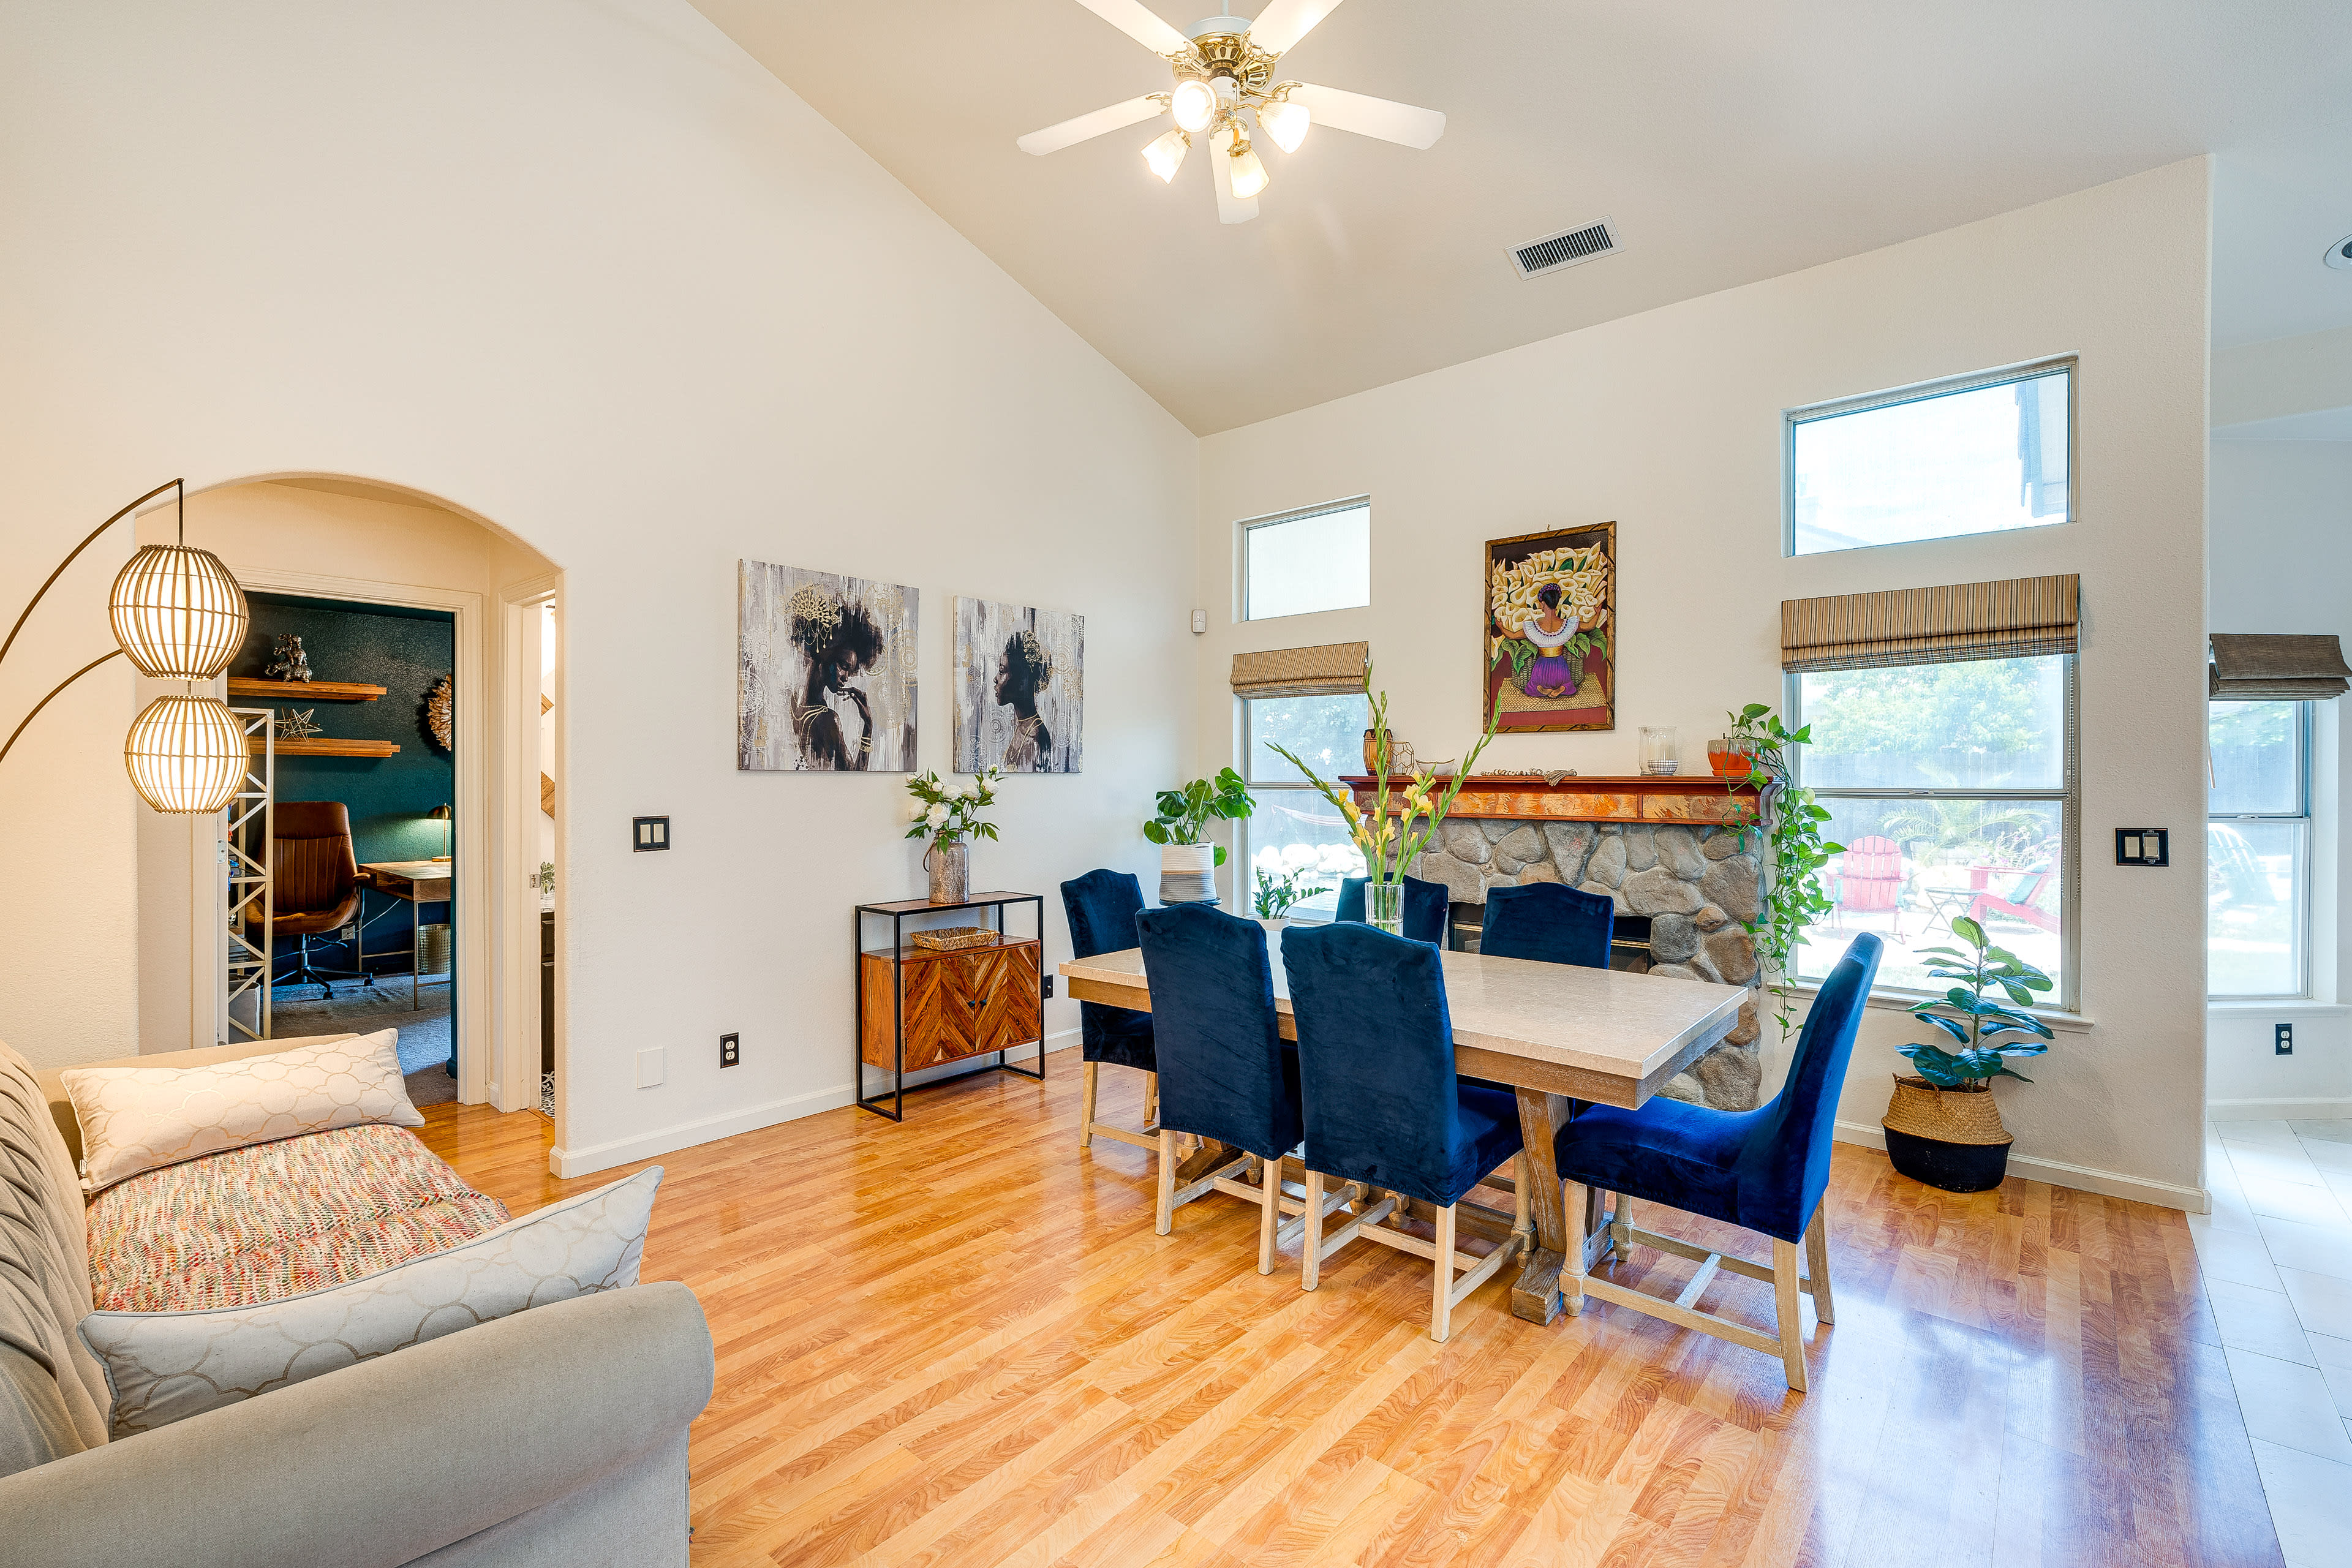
1727	139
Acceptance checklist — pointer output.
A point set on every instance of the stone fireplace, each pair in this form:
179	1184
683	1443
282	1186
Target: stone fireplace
1669	851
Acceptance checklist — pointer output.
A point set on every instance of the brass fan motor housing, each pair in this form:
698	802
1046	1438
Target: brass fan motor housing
1228	55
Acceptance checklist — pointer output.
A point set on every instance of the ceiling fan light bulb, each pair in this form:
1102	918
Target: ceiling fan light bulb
1194	103
1287	122
1166	154
1249	174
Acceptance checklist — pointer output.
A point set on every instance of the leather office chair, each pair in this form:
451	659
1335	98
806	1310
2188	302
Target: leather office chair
315	882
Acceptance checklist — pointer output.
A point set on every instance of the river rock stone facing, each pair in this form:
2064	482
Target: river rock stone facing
1697	885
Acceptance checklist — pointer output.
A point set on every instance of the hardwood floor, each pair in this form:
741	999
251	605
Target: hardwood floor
956	1341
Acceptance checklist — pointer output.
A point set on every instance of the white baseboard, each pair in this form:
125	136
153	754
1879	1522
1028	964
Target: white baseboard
2310	1107
2059	1173
585	1161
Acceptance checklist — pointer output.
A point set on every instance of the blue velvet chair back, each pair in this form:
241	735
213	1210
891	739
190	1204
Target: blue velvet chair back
1376	1065
1427	907
1548	922
1225	1072
1792	1144
1102	907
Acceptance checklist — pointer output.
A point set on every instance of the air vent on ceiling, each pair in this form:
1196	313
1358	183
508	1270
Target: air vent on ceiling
1568	248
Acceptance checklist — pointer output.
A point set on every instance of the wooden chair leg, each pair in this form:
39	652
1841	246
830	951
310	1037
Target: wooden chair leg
1087	1077
1621	1230
1441	1309
1784	1303
1270	1213
1165	1220
1151	1097
1310	1271
1817	1262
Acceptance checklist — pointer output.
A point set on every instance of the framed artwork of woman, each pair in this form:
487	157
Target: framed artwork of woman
1020	689
824	672
1550	637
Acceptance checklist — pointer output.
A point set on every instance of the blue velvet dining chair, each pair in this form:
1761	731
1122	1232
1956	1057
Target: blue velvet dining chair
1386	1112
1763	1170
1427	907
1102	907
1550	923
1225	1074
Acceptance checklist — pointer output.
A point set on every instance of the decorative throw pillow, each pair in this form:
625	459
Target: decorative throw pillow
167	1366
136	1119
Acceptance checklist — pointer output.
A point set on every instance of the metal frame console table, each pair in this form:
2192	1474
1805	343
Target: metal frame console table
896	913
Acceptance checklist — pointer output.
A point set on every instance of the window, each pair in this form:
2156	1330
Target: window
1952	788
1307	561
2257	849
1294	828
1974	456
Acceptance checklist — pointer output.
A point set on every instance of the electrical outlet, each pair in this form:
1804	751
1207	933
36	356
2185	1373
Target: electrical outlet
2282	1039
1049	985
730	1051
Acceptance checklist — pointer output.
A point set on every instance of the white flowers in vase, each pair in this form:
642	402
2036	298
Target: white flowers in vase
950	813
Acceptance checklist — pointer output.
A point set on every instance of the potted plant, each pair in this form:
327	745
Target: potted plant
947	814
1389	841
1279	891
1791	823
1942	1127
1186	863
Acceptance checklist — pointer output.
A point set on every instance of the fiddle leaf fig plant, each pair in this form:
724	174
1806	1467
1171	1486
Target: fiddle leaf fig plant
1988	1033
1186	812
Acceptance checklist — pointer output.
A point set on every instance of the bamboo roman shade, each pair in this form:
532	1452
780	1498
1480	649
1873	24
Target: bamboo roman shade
2021	618
2257	667
1330	669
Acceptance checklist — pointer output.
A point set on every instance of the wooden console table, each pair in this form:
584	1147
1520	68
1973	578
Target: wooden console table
920	1007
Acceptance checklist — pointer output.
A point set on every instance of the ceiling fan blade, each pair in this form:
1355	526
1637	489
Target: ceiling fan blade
1231	208
1390	122
1285	22
1131	17
1070	133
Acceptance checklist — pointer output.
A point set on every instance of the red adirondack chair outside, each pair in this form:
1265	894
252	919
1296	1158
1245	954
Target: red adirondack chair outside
1870	877
2020	900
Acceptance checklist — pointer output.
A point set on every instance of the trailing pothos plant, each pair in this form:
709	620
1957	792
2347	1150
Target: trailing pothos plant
1791	823
1186	812
1988	1033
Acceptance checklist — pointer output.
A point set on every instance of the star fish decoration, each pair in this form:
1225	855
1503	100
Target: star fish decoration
294	726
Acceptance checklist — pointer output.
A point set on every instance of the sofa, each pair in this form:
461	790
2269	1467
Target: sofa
556	1435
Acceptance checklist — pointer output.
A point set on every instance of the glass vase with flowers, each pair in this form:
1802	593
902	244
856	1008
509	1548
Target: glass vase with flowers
1392	836
947	814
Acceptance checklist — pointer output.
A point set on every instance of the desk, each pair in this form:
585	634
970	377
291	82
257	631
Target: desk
415	882
1551	1031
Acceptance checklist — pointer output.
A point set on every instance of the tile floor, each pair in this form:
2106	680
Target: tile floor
2277	1252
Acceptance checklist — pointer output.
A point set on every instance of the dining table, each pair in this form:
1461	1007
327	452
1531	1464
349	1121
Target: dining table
1554	1033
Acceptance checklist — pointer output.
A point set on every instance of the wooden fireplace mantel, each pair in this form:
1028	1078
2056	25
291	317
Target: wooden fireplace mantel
1694	798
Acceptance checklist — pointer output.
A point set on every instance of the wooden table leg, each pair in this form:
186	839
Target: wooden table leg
1537	1295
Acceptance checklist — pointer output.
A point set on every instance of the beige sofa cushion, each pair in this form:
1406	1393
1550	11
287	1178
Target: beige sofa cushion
137	1119
167	1366
61	1110
44	1283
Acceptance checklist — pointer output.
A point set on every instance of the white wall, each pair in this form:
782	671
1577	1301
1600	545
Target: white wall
1669	423
2282	556
589	272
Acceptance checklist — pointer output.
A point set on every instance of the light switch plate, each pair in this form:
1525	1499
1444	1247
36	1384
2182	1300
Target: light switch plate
649	833
2143	846
650	1066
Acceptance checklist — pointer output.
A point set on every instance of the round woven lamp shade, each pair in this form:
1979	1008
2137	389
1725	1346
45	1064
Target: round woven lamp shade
187	754
178	613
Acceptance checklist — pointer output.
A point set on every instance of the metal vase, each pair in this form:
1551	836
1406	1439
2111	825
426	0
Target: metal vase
1384	906
948	861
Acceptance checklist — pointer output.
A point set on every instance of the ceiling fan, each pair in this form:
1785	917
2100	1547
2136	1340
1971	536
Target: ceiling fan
1224	70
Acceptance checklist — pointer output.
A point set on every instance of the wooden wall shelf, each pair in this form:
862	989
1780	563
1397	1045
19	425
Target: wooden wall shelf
324	690
319	746
1696	798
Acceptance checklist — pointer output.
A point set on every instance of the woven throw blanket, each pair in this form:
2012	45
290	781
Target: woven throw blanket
278	1219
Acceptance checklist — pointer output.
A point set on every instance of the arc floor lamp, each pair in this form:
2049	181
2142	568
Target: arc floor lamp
177	615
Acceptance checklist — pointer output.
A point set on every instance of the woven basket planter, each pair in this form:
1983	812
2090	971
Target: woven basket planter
1950	1139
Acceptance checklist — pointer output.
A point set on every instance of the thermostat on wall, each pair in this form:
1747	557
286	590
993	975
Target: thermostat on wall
2143	846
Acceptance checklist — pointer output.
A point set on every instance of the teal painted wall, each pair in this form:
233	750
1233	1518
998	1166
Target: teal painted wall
406	651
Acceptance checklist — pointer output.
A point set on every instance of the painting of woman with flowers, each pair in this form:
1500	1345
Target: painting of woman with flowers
1551	629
